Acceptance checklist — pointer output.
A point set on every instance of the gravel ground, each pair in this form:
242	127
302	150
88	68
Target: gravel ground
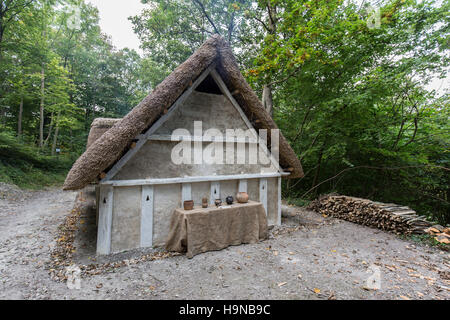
309	257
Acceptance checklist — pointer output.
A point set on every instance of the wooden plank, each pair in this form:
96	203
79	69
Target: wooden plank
140	182
215	191
242	185
105	220
238	108
119	164
167	137
147	216
263	192
186	192
279	202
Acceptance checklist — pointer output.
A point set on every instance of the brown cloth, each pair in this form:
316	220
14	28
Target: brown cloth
204	229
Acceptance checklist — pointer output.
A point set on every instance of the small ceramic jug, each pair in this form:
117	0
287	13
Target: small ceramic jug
229	200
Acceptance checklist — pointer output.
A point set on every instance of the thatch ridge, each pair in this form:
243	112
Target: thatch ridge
98	127
111	145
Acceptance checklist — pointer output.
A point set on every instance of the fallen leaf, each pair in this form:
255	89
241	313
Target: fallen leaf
282	284
316	290
299	276
405	298
275	253
99	285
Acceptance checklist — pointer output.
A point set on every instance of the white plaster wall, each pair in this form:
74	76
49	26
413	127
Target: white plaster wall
126	219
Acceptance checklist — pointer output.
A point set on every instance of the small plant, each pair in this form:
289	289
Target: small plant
298	202
427	239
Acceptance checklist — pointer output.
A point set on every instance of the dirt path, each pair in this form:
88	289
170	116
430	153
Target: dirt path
324	258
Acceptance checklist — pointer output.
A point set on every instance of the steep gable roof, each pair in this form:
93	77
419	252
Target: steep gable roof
102	154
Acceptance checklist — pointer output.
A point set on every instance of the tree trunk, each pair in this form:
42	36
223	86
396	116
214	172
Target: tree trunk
2	30
41	108
317	173
267	99
50	129
19	121
55	136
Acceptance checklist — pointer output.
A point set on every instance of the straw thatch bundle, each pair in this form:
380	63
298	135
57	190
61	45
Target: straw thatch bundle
98	127
106	150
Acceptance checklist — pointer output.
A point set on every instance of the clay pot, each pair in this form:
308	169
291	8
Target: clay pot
204	202
188	205
218	202
229	200
242	197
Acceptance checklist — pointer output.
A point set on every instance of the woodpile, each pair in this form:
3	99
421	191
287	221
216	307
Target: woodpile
385	216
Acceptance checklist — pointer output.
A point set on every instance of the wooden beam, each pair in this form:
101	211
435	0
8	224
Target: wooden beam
140	182
279	202
105	220
147	216
215	191
242	185
263	193
238	108
143	139
186	192
167	137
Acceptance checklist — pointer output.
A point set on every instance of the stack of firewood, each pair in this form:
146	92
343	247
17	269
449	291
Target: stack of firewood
385	216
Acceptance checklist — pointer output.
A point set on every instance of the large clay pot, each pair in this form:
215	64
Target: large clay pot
188	205
242	197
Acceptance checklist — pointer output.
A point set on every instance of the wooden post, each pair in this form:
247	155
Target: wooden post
263	192
186	192
279	202
105	220
242	185
147	216
215	191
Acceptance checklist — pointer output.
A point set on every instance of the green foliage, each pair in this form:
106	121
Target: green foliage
24	166
66	69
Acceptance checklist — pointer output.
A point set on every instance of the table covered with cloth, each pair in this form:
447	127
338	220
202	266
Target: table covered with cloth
214	228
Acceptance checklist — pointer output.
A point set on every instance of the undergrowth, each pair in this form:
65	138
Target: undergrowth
25	166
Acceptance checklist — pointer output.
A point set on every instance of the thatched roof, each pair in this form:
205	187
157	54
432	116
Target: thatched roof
109	148
98	127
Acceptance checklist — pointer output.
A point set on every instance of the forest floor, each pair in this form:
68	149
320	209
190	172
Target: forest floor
308	257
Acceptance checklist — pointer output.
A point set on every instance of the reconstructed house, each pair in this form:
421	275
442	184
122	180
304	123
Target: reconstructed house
140	184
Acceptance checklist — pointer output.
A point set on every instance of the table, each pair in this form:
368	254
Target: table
215	228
